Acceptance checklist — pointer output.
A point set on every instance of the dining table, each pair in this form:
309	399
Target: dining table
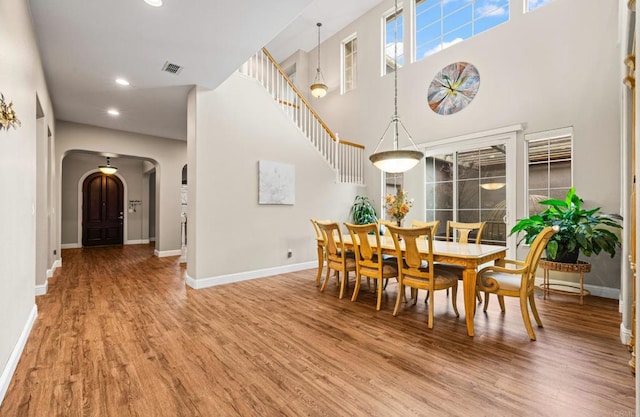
468	255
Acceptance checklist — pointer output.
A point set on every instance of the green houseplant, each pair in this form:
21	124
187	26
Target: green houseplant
362	211
581	230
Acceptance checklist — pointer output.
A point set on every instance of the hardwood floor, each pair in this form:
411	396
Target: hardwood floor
119	334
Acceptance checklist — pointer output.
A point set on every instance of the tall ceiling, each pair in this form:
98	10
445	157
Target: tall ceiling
86	45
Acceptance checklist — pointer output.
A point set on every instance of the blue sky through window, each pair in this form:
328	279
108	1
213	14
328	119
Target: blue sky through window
442	23
534	4
389	38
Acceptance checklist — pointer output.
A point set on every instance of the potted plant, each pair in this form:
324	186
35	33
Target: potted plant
581	230
362	211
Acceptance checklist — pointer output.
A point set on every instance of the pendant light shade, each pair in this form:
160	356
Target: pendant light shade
396	160
108	169
318	88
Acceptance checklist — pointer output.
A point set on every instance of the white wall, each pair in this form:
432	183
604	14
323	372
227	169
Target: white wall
169	156
555	67
229	131
75	167
21	79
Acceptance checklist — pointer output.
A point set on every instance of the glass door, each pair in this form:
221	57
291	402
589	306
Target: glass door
469	185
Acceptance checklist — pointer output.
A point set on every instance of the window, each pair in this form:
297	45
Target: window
349	63
392	41
549	156
469	186
534	4
442	23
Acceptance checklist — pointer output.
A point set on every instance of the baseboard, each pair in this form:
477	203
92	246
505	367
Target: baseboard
165	253
56	264
69	246
243	276
625	335
596	290
43	288
12	363
152	239
137	242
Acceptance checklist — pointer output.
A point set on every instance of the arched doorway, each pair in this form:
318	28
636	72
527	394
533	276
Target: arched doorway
102	210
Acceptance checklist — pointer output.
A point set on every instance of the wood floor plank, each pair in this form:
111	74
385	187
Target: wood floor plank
119	334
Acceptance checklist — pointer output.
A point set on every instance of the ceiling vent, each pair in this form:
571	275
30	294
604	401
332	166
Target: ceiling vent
172	68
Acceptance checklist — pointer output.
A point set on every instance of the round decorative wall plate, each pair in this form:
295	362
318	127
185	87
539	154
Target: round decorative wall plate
453	88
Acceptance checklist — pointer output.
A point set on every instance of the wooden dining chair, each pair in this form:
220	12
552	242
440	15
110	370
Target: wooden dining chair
416	268
463	231
433	225
338	258
517	279
370	262
320	248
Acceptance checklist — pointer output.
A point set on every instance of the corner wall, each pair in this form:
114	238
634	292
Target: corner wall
21	80
231	236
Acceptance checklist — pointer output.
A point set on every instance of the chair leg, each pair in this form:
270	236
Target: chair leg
478	296
414	295
380	288
320	264
534	310
430	325
343	283
399	299
525	317
501	302
356	289
486	301
326	280
454	299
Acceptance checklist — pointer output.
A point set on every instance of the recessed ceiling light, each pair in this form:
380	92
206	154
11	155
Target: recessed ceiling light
154	3
113	112
122	81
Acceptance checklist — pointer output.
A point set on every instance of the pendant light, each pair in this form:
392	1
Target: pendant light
318	88
108	169
396	160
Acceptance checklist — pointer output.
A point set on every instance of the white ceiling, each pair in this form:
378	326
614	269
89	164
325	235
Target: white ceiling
86	45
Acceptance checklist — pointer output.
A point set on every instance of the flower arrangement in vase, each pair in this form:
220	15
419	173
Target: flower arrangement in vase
398	205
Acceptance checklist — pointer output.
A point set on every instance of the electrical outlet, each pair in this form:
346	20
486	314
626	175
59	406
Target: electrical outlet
55	251
289	253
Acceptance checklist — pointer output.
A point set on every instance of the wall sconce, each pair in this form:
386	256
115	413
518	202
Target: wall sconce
133	204
8	116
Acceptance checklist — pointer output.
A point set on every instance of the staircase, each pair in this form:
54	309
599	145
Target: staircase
346	158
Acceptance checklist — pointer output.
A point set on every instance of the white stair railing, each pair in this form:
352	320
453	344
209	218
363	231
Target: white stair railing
343	156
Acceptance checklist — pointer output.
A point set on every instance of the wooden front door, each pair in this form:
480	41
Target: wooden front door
102	210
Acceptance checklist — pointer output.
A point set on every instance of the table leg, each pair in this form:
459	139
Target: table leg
545	283
469	287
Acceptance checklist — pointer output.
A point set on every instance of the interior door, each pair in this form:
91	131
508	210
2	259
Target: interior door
102	210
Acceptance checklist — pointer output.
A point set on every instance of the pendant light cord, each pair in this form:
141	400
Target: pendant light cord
395	119
395	77
318	68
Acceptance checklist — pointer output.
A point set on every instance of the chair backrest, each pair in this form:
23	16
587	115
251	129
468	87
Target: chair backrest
464	229
433	225
366	255
413	256
535	251
332	241
319	236
385	223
